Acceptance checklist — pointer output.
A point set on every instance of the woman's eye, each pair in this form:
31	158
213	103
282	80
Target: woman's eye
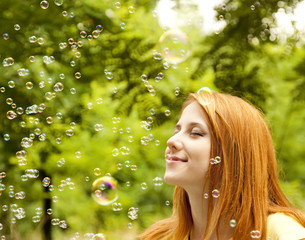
197	134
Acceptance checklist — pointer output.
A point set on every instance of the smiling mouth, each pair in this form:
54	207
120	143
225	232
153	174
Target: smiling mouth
171	158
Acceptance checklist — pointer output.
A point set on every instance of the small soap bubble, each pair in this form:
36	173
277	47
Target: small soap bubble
83	34
89	37
32	39
5	36
58	87
46	182
177	91
115	152
104	190
44	4
252	7
55	221
255	234
2	89
49	211
133	213
32	59
157	55
60	162
59	115
36	219
97	171
29	85
72	90
72	63
215	160
206	196
109	75
98	127
8	62
17	27
117	207
95	33
167	112
11	115
99	28
69	132
78	75
131	9
123	26
157	181
143	185
129	225
78	154
11	84
215	193
58	2
49	120
65	13
232	223
9	101
99	236
117	4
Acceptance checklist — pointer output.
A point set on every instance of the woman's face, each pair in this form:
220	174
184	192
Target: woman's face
188	150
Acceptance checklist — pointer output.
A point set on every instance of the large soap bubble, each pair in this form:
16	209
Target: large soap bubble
104	190
175	46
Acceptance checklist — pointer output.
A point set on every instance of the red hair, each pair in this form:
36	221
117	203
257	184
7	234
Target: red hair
247	177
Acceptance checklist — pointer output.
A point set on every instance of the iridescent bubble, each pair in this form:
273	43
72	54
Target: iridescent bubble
29	85
205	196
131	9
69	132
83	34
115	152
61	162
252	7
175	46
157	55
58	87
17	27
232	223
44	4
215	193
255	234
58	2
177	91
42	137
21	154
97	171
9	101
32	59
11	84
41	42
158	181
11	115
215	160
104	190
99	236
2	89
49	120
8	62
127	163
31	173
109	75
129	225
143	185
65	13
78	75
32	39
5	36
95	33
123	26
46	181
99	28
167	113
6	137
98	127
49	211
54	221
133	213
117	207
90	37
73	90
78	154
36	219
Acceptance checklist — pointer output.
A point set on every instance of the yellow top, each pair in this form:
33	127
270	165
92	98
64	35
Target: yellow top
283	227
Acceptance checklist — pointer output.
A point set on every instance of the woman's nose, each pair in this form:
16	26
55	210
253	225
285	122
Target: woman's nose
174	143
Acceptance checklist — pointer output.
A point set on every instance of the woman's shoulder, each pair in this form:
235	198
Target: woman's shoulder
282	227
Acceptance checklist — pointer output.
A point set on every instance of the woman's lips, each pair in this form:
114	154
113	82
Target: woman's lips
172	158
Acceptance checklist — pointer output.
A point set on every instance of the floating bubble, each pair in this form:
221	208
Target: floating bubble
177	91
215	193
11	84
117	207
115	152
78	154
21	154
58	2
99	28
40	41
215	160
97	171
58	87
131	9
44	4
159	77
104	190
36	219
157	55
99	236
143	185
83	34
64	13
5	36
17	27
49	211
46	182
31	173
167	113
8	62
32	39
55	221
9	101
11	115
69	132
123	26
252	7
129	225
95	33
29	85
98	127
232	223
26	142
157	181
73	90
23	72
32	59
58	140
49	120
78	75
255	234
6	137
133	167
175	46
133	213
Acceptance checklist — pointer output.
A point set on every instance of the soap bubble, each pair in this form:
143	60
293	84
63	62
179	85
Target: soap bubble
255	234
117	207
144	185
11	114
8	62
104	190
215	193
58	87
46	182
158	181
78	75
98	127
175	46
11	84
131	9
133	213
99	28
99	236
123	26
58	2
6	137
5	36
17	27
44	4
232	223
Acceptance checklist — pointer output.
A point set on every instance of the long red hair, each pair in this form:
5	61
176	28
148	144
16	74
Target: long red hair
247	177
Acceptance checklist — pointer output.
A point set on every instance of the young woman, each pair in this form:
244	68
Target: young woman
222	161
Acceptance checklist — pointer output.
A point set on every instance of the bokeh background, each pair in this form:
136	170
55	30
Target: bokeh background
90	91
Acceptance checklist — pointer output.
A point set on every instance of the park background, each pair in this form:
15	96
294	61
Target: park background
91	90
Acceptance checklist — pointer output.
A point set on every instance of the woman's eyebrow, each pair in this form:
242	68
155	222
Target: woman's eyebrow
191	124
